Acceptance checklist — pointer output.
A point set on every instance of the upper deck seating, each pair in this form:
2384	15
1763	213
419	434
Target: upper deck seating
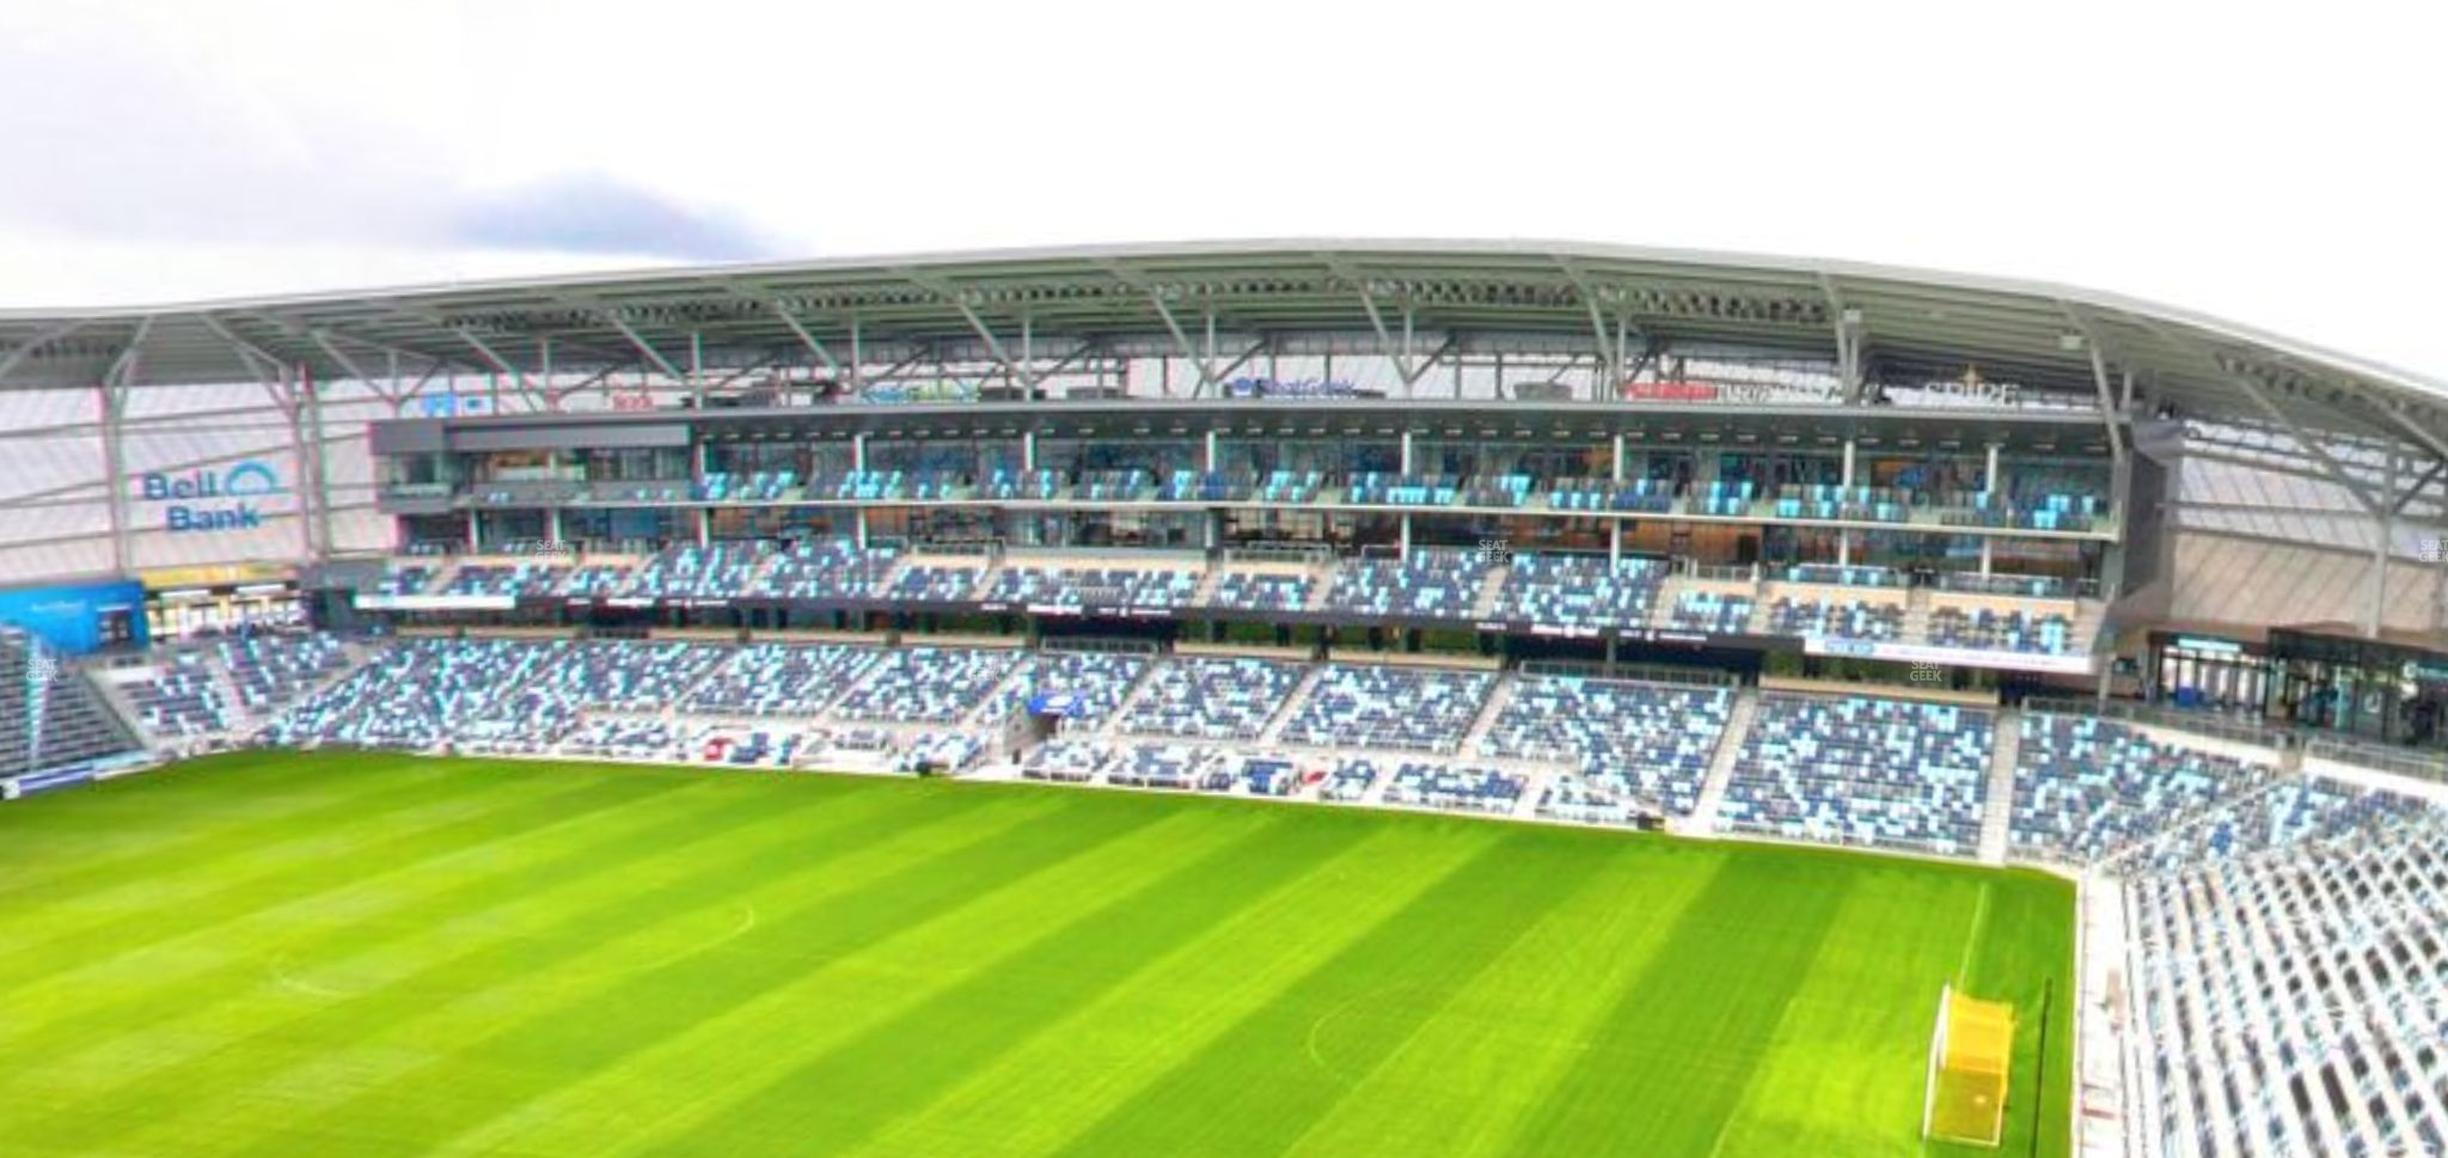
1723	497
825	569
1857	770
763	486
511	579
1845	619
1076	588
1992	630
405	578
1601	494
931	583
891	485
1385	488
1652	742
1210	486
718	570
1433	583
1115	486
1414	709
1713	612
596	580
1210	698
1858	504
1580	591
1263	590
1006	485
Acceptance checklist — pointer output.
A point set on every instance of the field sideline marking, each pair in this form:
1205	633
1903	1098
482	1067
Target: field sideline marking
1980	920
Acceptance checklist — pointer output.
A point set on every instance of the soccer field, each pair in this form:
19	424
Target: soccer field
359	954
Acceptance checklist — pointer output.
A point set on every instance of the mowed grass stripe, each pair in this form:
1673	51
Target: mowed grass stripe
80	1009
206	833
623	909
2027	940
1668	1064
116	820
799	929
844	1092
679	1082
294	872
1261	1086
1843	1073
1041	1092
1462	1084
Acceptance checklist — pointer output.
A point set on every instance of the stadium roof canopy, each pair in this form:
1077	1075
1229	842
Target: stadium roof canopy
1901	324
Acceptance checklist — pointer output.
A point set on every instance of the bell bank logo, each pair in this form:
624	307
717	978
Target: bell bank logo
205	500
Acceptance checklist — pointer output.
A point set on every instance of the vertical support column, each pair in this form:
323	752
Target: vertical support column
1028	450
1616	467
1207	357
1209	462
1406	452
1614	541
1406	537
310	401
1990	482
1988	553
552	527
858	462
2387	518
1846	478
475	535
696	371
114	468
293	408
858	356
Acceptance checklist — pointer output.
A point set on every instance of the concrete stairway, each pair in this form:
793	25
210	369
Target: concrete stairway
1998	809
1283	715
1495	705
1721	766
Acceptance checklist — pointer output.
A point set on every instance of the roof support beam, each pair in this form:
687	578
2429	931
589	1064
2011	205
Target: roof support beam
2337	472
498	362
800	331
643	346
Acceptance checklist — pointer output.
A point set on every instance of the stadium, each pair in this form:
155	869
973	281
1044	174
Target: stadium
1321	697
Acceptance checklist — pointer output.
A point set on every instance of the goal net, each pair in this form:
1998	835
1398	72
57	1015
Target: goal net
1970	1052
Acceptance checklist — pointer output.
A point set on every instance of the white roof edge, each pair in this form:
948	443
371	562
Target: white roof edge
1254	247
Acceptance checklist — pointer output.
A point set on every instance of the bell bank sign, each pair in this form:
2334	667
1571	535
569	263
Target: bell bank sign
210	500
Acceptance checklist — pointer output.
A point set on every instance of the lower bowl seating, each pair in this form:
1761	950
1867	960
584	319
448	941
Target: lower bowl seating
1648	743
1412	709
1858	770
1210	698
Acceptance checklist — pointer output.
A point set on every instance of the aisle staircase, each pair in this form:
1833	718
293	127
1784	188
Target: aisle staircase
1721	767
1998	809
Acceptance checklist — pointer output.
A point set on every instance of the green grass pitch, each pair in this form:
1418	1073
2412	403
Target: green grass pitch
357	954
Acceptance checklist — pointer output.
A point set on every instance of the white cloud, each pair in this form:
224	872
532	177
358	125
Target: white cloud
2282	172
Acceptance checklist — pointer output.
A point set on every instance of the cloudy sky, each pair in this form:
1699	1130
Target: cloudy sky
2282	170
